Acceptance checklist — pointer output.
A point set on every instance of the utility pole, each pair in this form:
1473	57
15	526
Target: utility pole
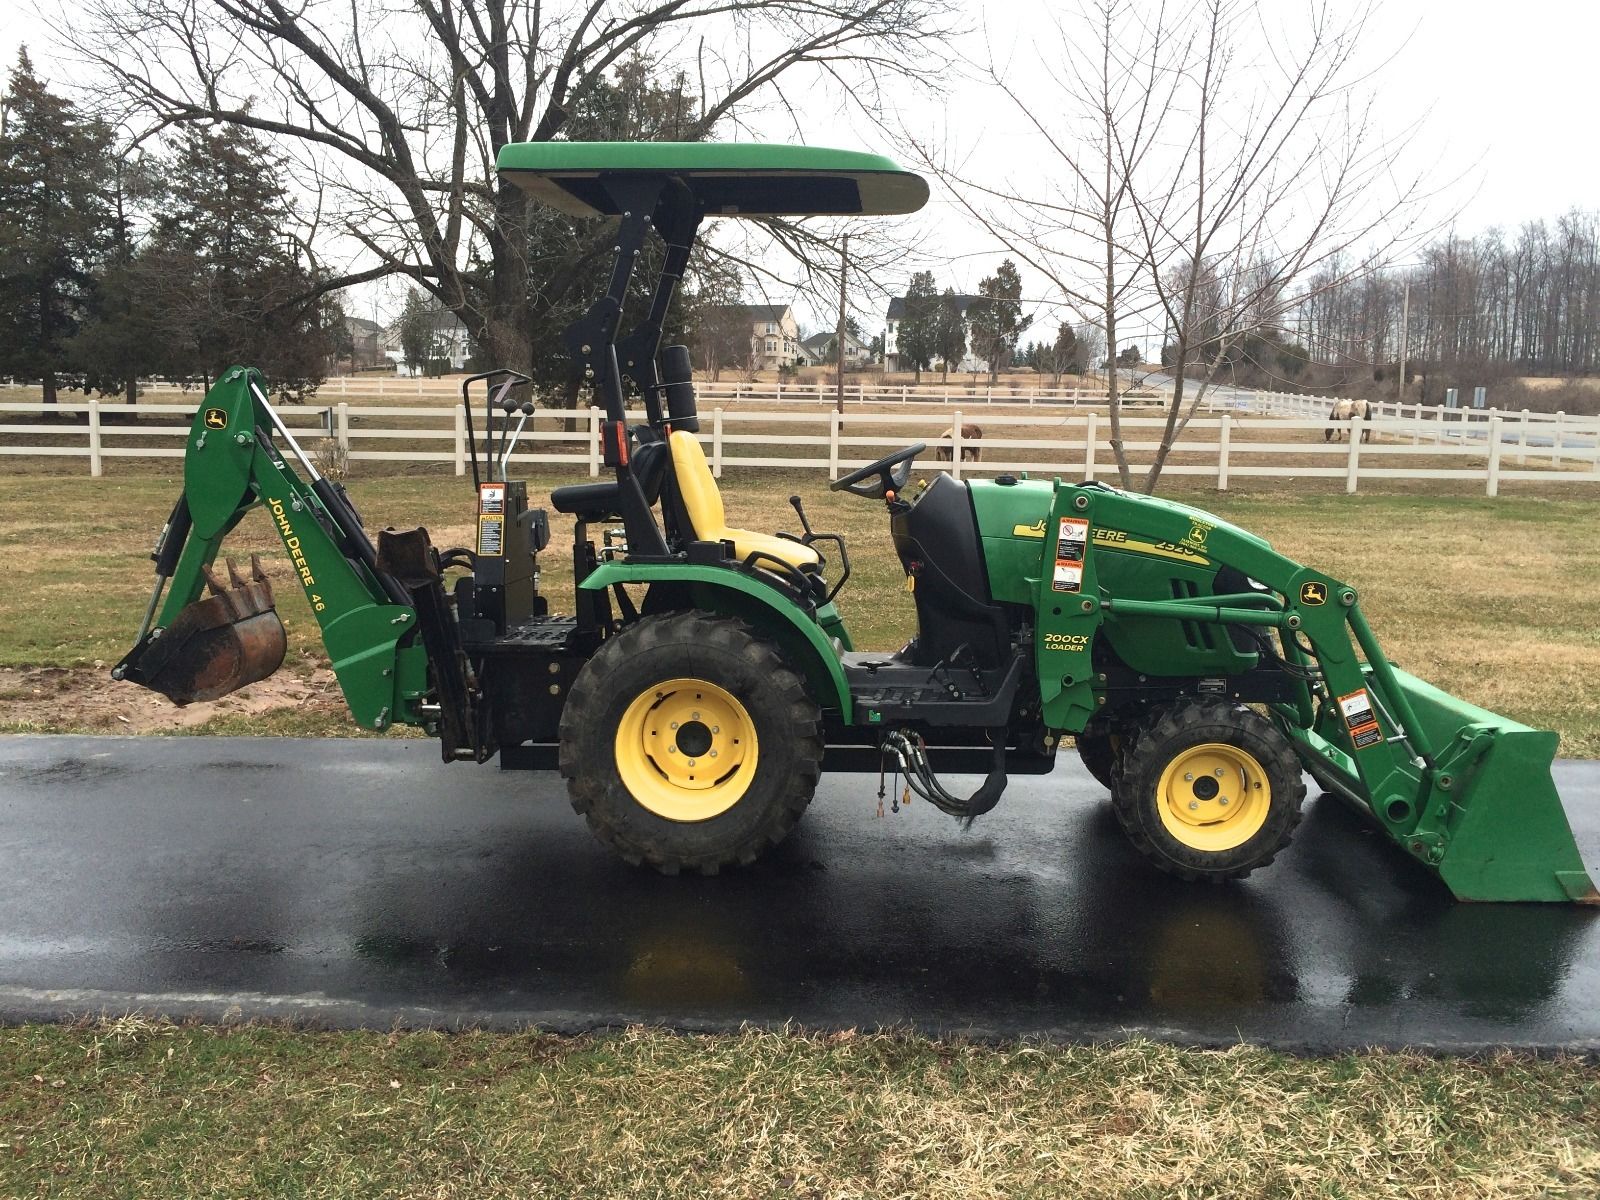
1405	319
844	267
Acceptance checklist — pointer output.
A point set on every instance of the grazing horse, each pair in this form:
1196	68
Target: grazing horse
970	450
1345	411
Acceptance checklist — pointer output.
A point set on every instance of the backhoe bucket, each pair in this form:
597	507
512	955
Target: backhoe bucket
1489	822
226	641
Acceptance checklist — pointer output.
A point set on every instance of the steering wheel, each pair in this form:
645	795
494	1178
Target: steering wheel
892	471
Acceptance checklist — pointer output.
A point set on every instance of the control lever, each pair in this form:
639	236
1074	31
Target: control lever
527	411
800	511
811	536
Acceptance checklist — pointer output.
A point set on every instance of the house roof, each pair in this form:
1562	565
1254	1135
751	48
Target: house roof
756	312
819	341
362	327
897	306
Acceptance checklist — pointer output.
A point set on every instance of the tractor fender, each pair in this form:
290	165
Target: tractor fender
728	593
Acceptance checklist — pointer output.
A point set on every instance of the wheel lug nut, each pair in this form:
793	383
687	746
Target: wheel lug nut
1223	801
716	729
714	754
1193	804
694	716
1188	777
1219	772
691	762
672	749
674	725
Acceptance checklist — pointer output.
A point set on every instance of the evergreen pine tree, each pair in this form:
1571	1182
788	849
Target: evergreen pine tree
54	225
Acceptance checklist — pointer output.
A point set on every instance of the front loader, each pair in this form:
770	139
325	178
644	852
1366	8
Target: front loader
707	677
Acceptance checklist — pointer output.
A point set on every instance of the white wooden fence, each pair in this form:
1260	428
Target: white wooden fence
1218	447
812	395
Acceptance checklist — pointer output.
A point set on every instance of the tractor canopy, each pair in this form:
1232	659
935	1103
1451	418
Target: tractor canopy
744	180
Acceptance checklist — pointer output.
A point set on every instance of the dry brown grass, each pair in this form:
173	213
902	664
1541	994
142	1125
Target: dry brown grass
132	1108
1497	601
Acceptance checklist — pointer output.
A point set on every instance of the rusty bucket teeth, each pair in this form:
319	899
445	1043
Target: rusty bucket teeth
218	644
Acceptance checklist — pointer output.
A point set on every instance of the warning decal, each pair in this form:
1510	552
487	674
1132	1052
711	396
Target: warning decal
491	535
1359	717
492	498
1072	539
1068	576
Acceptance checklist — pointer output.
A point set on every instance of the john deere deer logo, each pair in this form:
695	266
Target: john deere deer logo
216	418
1313	593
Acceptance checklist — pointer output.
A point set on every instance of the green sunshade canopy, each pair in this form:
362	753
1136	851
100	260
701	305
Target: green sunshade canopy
747	180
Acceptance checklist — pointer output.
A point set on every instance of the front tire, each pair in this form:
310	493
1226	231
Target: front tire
687	743
1208	790
1100	746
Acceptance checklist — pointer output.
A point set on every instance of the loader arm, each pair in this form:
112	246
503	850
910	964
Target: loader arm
194	649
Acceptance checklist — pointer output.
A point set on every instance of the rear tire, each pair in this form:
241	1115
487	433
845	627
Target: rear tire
1208	790
738	709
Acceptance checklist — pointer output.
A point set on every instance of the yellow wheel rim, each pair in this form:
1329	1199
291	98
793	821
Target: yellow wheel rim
686	749
1213	797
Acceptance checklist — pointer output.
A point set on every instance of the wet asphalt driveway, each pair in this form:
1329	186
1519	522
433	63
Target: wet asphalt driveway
366	883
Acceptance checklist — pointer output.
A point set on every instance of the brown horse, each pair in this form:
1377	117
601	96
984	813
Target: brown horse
944	451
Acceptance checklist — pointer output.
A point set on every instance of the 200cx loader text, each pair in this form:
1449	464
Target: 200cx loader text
706	678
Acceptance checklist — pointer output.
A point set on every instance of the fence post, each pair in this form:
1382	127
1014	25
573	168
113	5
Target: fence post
1091	434
1222	453
716	443
1555	439
382	384
904	397
955	447
833	444
1493	482
1522	439
1353	466
461	440
419	387
96	467
344	426
594	441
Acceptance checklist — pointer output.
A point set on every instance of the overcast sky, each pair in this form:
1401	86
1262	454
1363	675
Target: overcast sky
1507	91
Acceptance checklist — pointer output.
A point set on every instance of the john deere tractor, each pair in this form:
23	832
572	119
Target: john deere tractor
706	678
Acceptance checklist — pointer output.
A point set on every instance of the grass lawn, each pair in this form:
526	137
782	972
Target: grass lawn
1495	600
131	1109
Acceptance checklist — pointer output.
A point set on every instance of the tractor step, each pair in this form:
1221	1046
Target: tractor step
884	689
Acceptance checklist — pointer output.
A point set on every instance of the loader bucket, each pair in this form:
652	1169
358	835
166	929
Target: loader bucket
1489	822
214	646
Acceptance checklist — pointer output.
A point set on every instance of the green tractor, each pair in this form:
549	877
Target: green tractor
706	678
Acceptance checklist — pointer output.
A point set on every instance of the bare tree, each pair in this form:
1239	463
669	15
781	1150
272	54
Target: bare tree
1074	225
395	112
1207	163
1282	173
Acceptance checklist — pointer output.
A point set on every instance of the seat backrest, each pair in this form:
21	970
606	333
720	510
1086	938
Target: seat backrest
696	489
650	463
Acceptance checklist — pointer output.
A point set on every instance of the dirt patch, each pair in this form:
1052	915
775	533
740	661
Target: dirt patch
88	700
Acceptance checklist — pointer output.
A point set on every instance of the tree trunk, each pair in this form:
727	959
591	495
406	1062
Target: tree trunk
1180	359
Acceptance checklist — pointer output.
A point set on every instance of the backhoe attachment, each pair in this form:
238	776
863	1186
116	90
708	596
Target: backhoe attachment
204	637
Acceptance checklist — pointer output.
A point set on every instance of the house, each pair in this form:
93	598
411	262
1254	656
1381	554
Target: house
774	334
365	339
450	342
818	351
897	314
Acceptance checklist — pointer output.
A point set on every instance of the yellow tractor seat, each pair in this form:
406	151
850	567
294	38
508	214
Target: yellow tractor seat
702	504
